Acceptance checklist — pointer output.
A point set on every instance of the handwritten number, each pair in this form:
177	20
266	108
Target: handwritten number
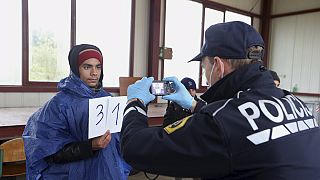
117	107
100	113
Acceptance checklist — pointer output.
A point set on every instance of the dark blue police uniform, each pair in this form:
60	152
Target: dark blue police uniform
175	112
249	130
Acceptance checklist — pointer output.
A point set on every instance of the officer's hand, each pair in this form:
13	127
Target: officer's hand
141	90
101	141
181	96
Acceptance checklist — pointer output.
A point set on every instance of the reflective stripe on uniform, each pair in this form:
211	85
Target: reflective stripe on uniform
135	108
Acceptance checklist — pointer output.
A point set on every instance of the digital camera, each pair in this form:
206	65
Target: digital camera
161	88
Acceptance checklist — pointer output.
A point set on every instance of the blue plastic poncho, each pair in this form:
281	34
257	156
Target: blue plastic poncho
62	120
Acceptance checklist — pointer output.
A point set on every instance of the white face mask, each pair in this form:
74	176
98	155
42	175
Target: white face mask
222	69
210	78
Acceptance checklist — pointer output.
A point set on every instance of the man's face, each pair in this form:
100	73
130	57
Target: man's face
90	72
192	92
209	69
277	83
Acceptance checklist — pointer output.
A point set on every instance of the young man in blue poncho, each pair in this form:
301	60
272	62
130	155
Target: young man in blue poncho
56	136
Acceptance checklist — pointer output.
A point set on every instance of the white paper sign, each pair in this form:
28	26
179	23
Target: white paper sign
115	113
105	113
97	117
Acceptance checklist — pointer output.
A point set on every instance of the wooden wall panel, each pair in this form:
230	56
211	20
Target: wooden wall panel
286	6
295	51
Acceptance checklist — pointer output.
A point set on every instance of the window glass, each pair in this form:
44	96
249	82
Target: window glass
183	35
106	24
211	17
231	16
49	39
11	42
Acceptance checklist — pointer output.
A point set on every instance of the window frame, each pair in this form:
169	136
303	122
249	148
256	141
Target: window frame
224	9
214	6
33	86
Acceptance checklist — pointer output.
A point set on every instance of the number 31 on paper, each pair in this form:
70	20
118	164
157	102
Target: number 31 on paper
105	113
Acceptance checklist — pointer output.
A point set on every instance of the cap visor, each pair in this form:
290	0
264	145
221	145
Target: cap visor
197	58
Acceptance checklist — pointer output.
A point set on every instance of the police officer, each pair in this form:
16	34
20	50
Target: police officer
275	77
250	129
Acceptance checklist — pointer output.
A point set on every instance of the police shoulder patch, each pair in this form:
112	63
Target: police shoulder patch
176	125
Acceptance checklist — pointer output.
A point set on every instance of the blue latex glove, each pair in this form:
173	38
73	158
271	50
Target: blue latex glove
141	90
181	96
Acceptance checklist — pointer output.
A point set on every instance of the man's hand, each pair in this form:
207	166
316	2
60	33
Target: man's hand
181	96
101	141
141	90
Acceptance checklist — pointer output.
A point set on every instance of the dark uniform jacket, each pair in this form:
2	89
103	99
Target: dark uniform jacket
249	130
175	112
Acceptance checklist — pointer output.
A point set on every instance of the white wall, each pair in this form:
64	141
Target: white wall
294	46
141	38
24	99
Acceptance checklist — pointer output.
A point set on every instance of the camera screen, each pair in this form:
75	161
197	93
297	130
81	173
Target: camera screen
160	88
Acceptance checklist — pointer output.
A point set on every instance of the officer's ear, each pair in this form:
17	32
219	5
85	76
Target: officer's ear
219	65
